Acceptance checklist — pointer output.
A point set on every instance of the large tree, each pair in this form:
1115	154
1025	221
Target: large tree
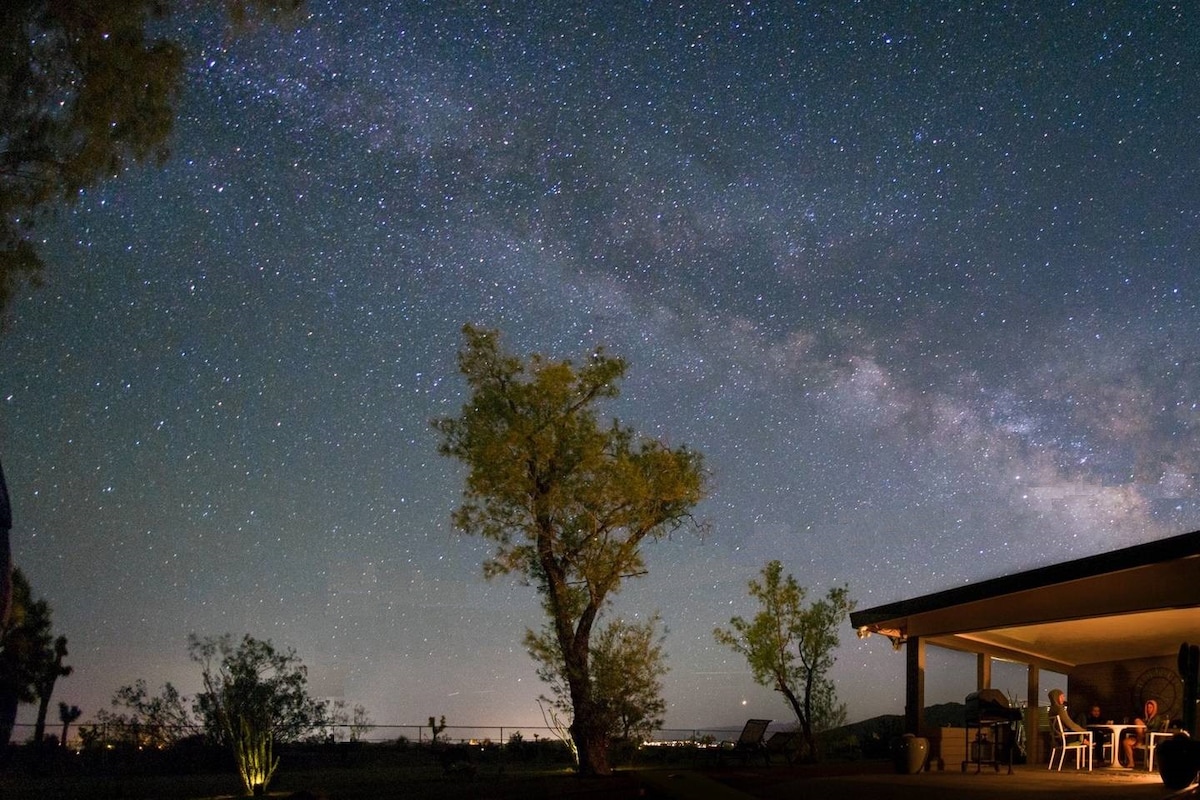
27	653
566	500
789	647
86	89
253	697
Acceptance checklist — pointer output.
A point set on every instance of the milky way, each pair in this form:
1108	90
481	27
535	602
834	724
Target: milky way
921	283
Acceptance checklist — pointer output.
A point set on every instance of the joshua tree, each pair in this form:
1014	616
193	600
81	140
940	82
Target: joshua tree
66	715
27	645
436	727
49	671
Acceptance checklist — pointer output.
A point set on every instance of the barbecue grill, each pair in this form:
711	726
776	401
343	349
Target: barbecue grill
990	724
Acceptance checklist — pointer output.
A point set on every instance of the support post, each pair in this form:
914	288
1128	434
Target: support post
914	685
1033	739
983	671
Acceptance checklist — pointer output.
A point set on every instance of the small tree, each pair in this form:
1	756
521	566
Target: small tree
627	663
360	722
789	648
356	721
567	501
158	720
66	715
253	697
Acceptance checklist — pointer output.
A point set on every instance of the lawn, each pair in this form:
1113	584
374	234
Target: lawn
339	783
328	774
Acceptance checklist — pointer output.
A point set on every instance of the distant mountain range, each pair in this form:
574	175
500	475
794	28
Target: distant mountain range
939	716
872	738
869	738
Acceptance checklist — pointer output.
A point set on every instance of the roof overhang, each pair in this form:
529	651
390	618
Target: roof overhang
1141	601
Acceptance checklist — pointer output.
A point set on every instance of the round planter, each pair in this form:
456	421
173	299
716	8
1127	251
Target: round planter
911	753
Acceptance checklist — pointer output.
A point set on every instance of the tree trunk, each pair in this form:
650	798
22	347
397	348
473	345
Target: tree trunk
5	575
591	742
5	556
808	752
39	729
589	729
8	715
589	726
8	695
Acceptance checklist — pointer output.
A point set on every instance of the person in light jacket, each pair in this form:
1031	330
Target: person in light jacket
1058	708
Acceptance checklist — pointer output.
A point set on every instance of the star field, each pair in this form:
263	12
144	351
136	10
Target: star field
919	280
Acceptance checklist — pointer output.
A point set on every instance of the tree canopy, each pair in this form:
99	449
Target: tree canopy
85	91
789	647
566	500
250	677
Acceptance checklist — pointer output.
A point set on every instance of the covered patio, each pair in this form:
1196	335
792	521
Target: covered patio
1112	623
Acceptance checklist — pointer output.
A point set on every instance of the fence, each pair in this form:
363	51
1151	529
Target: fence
376	733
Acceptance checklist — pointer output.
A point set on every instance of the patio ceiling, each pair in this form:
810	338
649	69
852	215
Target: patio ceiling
1137	602
1061	645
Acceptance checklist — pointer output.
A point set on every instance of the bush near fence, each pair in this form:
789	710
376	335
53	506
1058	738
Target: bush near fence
110	734
124	750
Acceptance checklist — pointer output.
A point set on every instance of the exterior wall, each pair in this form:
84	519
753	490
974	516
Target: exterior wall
1114	685
948	748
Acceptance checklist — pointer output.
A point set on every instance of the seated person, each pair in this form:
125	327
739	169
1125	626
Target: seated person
1099	737
1092	717
1150	720
1058	708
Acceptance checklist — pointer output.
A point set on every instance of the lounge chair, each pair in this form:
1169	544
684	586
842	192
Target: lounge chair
784	743
749	742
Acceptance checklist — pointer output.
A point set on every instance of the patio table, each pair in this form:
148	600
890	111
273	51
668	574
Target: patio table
1115	729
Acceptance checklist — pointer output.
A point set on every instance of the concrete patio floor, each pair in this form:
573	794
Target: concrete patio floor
877	782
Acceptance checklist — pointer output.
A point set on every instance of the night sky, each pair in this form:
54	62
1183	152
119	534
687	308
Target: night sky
920	282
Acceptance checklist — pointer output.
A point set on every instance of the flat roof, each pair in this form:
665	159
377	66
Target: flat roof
1139	601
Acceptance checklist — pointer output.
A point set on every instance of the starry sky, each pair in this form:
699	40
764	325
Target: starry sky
919	279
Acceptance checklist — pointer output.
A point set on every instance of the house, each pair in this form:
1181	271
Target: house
1112	623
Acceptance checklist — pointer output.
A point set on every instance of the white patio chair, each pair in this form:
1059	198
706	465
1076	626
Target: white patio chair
1064	740
1152	740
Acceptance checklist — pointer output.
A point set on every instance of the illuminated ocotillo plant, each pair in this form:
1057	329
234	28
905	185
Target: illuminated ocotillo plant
253	747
